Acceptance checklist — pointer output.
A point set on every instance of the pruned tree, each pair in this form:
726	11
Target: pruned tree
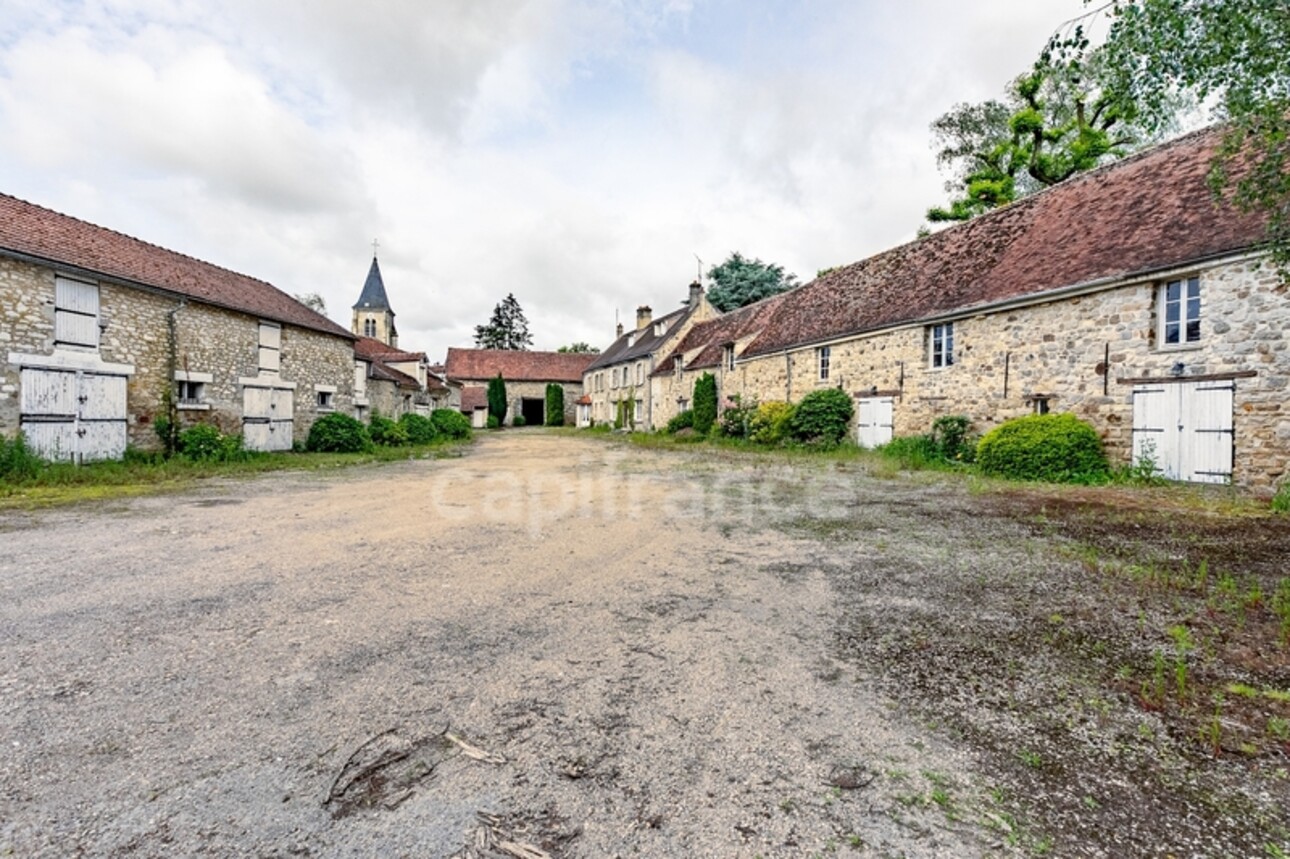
497	402
554	404
506	329
705	403
740	281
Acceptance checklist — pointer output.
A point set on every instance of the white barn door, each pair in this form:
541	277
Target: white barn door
874	420
1186	429
71	415
267	418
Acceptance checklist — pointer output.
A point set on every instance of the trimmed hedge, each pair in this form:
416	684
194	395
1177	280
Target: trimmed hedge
386	432
1053	448
554	405
451	423
338	433
519	421
770	423
705	403
683	420
822	417
419	428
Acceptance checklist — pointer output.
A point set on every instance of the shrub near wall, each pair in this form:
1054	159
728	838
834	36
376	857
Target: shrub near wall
705	403
451	423
554	405
419	428
338	433
1054	448
822	416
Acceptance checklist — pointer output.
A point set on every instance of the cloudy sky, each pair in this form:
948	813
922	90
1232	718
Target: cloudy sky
578	153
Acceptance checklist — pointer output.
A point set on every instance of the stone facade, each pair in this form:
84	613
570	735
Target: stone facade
517	392
1078	354
213	345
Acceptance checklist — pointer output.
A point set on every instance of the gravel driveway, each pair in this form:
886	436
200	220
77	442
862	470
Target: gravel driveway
549	646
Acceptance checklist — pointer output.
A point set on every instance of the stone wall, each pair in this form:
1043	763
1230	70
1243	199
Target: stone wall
208	342
517	391
1004	359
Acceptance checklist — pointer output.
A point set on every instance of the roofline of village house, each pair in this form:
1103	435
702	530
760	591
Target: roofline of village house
117	280
1033	299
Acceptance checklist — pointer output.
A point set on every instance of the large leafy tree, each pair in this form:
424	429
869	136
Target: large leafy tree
740	281
1234	54
1068	114
579	347
507	329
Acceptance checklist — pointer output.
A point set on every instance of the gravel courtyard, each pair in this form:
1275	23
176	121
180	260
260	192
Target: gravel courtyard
563	646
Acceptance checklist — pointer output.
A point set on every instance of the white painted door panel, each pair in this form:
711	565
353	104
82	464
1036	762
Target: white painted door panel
1186	429
874	421
48	392
102	397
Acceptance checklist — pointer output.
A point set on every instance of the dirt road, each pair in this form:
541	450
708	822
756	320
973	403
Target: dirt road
550	644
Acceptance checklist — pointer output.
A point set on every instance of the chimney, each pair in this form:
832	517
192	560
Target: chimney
643	316
620	330
696	292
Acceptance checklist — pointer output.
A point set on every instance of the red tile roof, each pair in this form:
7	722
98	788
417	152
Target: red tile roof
371	348
1147	213
517	366
474	397
377	370
713	335
59	240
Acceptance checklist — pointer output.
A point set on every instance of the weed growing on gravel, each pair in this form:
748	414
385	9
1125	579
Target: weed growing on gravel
1183	645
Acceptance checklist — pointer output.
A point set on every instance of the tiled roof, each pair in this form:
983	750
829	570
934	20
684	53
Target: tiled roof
373	295
711	336
517	366
631	346
60	240
371	348
377	370
1150	212
584	400
474	397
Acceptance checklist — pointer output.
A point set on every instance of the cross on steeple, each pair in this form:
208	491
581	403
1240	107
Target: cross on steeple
375	245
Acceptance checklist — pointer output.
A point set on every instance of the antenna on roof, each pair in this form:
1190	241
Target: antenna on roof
375	245
700	262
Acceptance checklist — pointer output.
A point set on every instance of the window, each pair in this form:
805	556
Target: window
640	411
1039	404
640	373
1179	312
360	379
326	396
823	356
728	358
941	345
76	313
190	393
369	327
680	369
270	347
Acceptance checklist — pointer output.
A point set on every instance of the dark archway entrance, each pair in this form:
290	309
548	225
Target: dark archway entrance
533	410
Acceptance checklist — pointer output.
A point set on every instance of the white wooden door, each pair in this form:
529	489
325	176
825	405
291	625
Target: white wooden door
267	418
71	415
1186	429
874	420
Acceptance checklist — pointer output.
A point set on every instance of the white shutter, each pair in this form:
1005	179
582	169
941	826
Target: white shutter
1155	423
76	313
270	346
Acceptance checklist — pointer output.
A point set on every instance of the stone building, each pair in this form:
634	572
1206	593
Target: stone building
1127	296
617	382
526	375
101	334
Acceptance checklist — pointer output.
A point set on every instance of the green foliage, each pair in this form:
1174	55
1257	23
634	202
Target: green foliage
913	452
739	281
167	432
683	420
950	436
1281	501
418	428
705	403
770	423
497	401
386	432
736	421
580	348
201	441
18	462
507	329
338	433
822	417
1053	448
519	421
451	423
555	404
493	422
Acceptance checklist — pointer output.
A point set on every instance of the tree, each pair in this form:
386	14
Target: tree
1069	113
507	329
739	281
580	348
313	301
497	399
555	405
1232	53
705	403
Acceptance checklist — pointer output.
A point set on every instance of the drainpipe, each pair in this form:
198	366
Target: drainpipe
172	365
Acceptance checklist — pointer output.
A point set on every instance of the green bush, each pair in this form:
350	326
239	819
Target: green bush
769	424
519	421
451	423
1053	448
493	422
684	420
705	404
338	433
419	428
913	451
497	400
1281	501
555	405
950	435
201	442
822	417
18	462
736	421
386	432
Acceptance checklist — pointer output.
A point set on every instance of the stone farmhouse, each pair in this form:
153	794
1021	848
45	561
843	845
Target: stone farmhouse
618	381
101	333
1127	296
526	375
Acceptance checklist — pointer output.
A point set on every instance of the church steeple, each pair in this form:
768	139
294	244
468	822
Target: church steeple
372	314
